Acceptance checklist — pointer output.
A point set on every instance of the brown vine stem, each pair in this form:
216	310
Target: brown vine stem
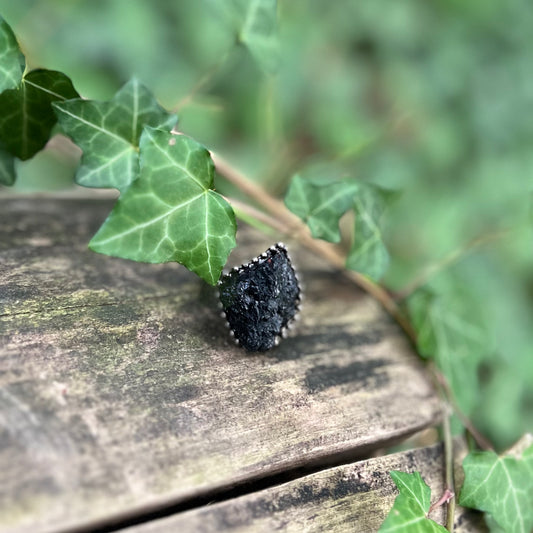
448	496
443	385
448	461
446	261
257	214
292	226
449	406
201	83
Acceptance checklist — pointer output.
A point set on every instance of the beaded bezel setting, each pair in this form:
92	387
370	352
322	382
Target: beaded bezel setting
261	299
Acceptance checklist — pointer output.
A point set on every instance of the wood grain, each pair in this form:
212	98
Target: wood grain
351	498
120	390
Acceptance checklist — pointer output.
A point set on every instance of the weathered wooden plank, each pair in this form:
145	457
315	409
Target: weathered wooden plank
120	389
349	498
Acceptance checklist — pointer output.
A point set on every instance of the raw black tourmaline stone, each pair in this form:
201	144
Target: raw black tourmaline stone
260	299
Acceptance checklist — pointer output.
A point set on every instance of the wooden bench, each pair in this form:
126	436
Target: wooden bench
124	403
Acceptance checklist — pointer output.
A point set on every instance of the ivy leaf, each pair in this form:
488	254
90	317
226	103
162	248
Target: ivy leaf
501	486
171	213
12	62
450	331
320	205
259	33
26	115
368	253
109	133
7	168
409	512
255	25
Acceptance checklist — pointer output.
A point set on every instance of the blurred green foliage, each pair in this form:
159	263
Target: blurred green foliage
431	97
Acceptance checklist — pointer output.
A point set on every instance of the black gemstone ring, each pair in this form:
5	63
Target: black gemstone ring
260	299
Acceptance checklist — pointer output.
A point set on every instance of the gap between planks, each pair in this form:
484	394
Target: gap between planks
164	508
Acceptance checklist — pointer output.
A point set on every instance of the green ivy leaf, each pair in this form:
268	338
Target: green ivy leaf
501	486
409	512
450	331
109	133
171	213
255	25
368	253
320	205
259	33
12	62
7	168
26	115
